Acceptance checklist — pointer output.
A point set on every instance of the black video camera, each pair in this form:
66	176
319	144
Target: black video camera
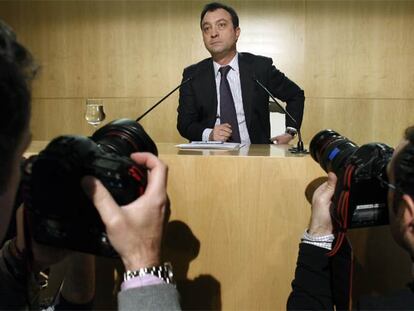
360	198
59	212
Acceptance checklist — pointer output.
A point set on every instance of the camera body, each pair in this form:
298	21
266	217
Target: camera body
360	198
59	212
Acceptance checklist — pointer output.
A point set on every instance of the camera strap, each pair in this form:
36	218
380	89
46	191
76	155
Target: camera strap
340	213
341	253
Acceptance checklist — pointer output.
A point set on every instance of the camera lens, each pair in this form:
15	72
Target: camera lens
331	150
123	137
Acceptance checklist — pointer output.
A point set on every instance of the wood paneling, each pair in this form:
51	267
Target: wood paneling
57	116
337	51
360	120
359	49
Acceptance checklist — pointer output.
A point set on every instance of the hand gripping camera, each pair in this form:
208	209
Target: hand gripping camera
59	212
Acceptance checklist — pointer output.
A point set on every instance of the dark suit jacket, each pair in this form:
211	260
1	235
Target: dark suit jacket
315	282
197	108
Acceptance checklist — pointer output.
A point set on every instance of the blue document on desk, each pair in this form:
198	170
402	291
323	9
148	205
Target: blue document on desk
216	145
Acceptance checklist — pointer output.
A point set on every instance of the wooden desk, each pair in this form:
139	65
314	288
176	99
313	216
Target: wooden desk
248	210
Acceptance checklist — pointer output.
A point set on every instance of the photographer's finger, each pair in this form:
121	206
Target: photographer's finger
146	159
331	182
158	171
101	198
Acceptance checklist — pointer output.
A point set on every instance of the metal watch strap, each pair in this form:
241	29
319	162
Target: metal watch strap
291	131
163	272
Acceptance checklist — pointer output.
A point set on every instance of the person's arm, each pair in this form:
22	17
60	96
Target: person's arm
135	231
312	288
288	91
13	278
188	120
20	267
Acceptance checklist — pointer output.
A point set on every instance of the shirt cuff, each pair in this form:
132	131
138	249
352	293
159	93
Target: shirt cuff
140	281
324	241
206	134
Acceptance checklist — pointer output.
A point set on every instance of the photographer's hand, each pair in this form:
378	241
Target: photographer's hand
321	222
135	230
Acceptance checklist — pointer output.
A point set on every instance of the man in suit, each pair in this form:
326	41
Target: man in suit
135	230
222	101
312	288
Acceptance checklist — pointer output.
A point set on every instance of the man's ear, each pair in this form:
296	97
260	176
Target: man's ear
408	213
237	32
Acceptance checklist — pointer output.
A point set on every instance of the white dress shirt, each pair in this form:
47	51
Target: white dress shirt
233	77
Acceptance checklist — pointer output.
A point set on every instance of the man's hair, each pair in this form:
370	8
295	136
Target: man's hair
404	168
216	5
17	69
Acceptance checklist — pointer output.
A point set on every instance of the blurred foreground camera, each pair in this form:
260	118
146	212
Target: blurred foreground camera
59	212
360	198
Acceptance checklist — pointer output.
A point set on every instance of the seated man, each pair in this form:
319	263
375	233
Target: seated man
223	99
135	230
312	286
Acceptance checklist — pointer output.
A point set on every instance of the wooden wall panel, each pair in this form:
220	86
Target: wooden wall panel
339	51
360	49
360	120
58	116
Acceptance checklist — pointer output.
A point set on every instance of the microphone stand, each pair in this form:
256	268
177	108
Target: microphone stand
162	99
299	149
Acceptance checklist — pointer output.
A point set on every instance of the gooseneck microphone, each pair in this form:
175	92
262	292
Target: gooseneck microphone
299	149
164	98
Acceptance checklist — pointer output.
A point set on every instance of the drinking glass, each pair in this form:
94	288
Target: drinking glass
94	113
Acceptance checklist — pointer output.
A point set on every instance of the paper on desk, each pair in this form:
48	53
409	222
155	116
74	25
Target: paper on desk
211	145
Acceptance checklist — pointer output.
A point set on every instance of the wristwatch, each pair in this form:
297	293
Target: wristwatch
163	272
291	131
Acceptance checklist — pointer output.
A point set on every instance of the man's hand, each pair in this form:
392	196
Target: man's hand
282	139
135	230
321	222
221	132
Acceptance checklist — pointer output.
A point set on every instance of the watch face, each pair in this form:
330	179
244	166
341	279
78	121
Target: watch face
291	132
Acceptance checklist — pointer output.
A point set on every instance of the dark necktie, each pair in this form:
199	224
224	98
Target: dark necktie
227	109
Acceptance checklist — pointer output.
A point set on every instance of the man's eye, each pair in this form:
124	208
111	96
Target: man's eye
206	28
221	25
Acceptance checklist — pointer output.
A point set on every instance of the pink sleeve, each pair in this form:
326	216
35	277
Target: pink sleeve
140	281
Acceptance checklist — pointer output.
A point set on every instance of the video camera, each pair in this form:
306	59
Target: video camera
360	198
59	212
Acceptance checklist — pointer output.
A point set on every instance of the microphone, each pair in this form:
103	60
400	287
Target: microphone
164	98
299	149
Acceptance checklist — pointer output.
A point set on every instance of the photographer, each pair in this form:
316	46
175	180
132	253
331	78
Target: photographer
135	230
21	259
313	283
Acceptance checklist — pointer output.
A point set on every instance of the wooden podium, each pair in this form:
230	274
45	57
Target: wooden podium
248	210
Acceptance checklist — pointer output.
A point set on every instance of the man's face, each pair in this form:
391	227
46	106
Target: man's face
8	197
397	224
219	34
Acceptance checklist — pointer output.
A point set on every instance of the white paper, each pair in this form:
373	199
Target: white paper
211	145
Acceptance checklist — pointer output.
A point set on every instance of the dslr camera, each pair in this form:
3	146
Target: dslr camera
58	211
360	198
